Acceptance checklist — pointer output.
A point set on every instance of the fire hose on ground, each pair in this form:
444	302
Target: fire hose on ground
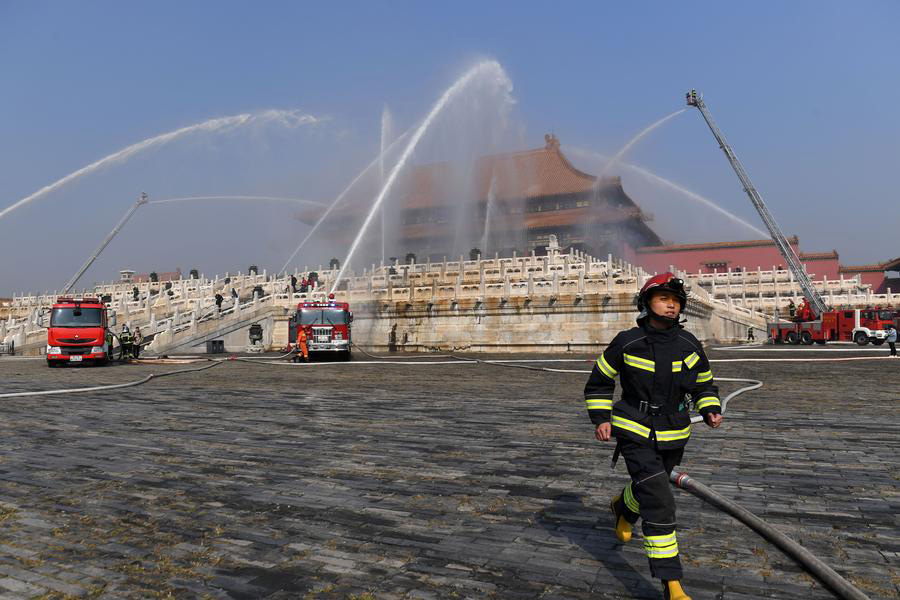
827	575
115	386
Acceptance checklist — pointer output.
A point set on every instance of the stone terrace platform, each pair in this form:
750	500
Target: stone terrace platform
431	481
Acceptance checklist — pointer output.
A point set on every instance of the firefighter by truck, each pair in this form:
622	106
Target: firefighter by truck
326	327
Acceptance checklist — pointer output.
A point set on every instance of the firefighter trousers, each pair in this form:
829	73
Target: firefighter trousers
648	496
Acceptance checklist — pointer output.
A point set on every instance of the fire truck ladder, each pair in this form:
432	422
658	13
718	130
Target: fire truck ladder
141	201
793	261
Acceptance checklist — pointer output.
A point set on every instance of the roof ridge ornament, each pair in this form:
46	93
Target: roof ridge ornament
551	142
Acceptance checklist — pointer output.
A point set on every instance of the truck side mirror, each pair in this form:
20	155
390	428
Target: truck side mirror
351	317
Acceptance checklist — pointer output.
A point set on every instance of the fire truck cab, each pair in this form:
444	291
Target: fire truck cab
327	326
78	332
866	325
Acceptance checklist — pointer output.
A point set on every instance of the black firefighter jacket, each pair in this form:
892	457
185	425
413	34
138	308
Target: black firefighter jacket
661	372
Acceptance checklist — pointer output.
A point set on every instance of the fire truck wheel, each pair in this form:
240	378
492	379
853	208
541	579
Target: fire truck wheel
52	364
821	342
792	338
861	338
346	356
806	338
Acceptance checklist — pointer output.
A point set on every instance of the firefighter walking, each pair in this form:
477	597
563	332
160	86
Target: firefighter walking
661	366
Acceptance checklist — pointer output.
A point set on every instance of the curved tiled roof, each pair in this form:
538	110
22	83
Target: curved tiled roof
793	240
514	179
508	177
833	255
888	265
535	220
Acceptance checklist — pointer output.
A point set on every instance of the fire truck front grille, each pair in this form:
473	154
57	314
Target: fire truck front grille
75	341
321	335
71	351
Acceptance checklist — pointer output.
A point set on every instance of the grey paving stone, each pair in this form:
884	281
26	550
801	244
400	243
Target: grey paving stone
249	481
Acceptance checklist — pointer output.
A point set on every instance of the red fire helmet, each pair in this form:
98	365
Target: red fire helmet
663	282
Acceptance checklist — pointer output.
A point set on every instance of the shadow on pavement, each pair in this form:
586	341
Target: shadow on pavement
570	517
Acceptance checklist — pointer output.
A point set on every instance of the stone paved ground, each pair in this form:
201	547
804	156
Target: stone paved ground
430	481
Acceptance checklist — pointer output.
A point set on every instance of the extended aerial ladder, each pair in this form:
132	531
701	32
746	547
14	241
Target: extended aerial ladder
813	299
140	202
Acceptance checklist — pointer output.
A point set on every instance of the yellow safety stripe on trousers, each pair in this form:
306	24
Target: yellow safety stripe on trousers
629	425
672	435
605	368
639	363
630	501
676	366
661	546
691	360
598	403
704	376
707	402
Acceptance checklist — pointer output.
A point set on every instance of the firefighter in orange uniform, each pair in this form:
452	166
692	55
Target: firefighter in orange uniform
302	348
659	365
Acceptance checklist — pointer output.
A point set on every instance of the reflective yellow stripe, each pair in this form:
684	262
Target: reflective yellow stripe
704	376
676	367
629	425
691	360
661	546
598	403
708	401
639	363
672	435
630	501
605	368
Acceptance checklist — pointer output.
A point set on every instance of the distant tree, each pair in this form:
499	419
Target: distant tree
154	277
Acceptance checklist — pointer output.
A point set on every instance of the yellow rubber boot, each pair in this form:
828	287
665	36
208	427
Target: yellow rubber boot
672	591
623	527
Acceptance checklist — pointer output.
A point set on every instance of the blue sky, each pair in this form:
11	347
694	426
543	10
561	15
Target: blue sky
806	92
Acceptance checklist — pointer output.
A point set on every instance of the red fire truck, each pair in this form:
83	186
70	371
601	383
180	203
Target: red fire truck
78	332
860	325
327	326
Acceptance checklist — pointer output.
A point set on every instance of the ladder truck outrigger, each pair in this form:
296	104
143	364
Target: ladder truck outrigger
814	322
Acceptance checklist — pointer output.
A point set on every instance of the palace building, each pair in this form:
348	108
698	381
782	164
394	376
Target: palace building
516	202
512	203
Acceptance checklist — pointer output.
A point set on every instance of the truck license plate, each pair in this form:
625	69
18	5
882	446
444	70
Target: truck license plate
75	358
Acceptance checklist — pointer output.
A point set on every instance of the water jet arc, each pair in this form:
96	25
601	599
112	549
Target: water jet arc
448	95
291	117
265	198
644	132
678	188
337	201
